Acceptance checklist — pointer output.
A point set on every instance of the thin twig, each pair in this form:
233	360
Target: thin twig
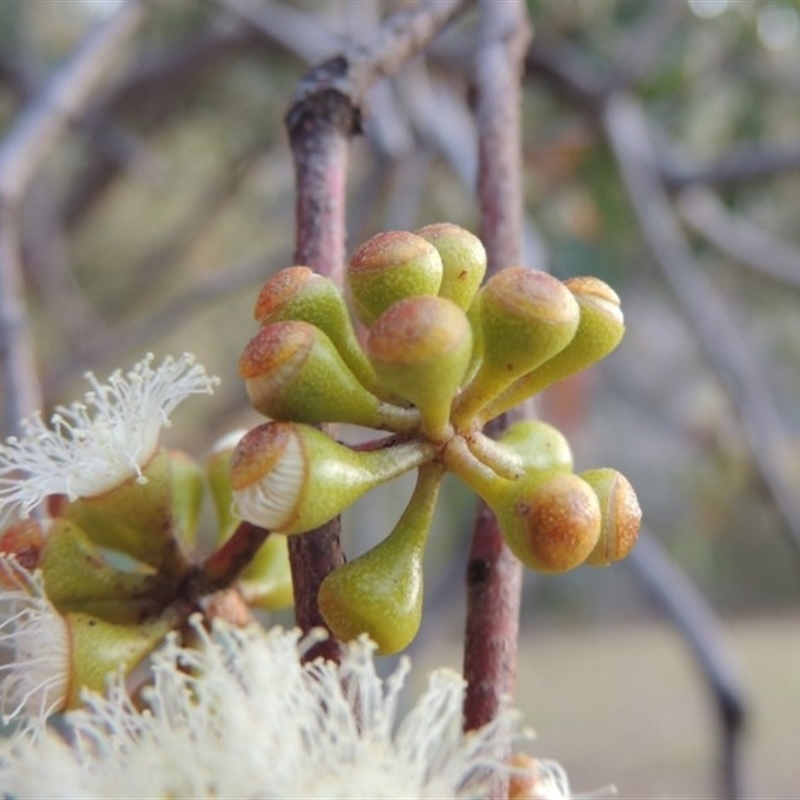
149	94
739	238
324	114
494	575
743	165
225	564
718	333
26	145
691	614
141	332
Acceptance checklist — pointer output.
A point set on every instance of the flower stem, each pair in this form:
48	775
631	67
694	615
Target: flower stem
494	576
225	564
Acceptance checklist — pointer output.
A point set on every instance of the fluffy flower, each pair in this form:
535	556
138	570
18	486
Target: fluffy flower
95	445
34	647
240	716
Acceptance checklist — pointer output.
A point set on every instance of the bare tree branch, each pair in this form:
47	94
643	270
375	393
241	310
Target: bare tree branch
22	151
148	96
291	28
691	614
739	238
325	112
141	332
719	334
745	164
494	575
642	47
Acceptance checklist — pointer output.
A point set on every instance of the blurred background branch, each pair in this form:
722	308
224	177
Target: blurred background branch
25	145
659	147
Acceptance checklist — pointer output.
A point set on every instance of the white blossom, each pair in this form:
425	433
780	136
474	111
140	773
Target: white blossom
240	715
34	647
94	445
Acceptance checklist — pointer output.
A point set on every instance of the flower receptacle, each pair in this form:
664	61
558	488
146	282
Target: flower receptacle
380	593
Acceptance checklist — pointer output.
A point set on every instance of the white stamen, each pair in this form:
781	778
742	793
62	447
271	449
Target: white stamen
34	647
271	502
94	445
242	716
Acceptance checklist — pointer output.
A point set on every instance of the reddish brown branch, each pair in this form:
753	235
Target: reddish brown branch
223	566
325	113
494	576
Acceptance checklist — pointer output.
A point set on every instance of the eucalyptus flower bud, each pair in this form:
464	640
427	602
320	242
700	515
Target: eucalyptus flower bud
538	445
298	293
380	592
420	348
622	516
389	267
463	261
266	582
600	329
188	491
292	371
526	445
99	648
290	478
549	518
525	317
218	470
553	522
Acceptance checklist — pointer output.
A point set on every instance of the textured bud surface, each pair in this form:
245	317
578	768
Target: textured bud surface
463	260
555	525
279	290
389	267
622	516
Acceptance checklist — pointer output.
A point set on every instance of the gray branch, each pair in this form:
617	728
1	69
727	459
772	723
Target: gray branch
26	145
739	238
717	331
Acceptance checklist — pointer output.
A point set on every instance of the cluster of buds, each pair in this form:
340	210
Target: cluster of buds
443	356
99	537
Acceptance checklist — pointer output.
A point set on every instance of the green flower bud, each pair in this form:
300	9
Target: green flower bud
78	578
135	517
420	349
291	478
553	522
538	445
292	371
622	516
600	329
463	261
389	267
526	317
380	593
549	518
99	648
524	446
298	293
